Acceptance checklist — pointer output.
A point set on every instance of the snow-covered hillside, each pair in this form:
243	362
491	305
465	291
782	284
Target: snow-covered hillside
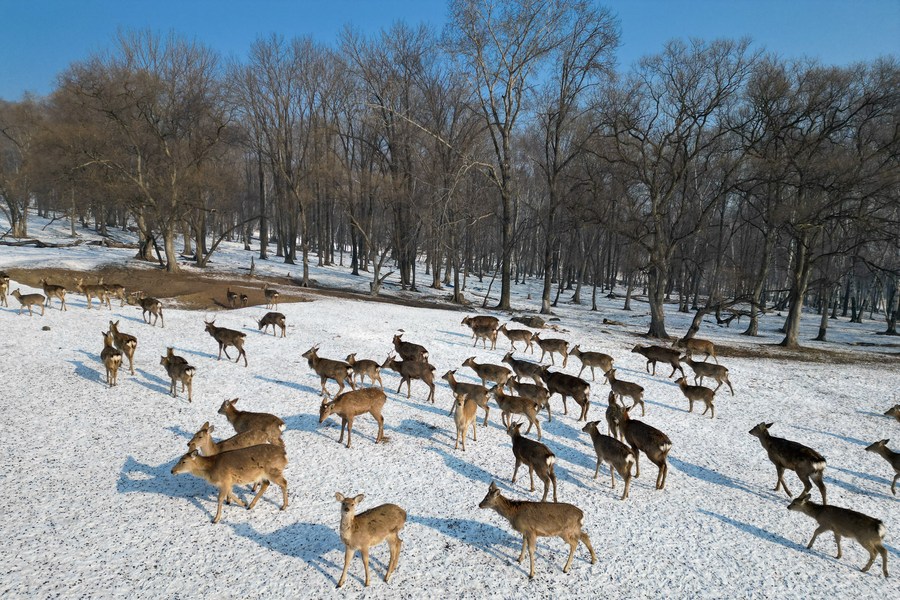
93	509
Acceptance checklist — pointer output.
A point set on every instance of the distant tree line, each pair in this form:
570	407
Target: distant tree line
507	146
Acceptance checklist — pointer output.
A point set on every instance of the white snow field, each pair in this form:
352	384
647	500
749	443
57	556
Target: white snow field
93	510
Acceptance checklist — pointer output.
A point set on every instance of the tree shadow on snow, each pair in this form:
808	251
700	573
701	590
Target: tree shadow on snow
710	476
756	531
844	438
309	542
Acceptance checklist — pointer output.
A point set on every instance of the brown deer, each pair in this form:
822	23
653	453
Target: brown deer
540	519
690	346
518	335
698	393
568	385
244	420
178	370
245	300
227	337
786	454
350	405
464	417
54	291
626	388
272	297
125	342
203	441
488	372
114	290
28	300
619	456
112	359
880	448
485	334
592	359
365	368
703	369
276	320
409	370
534	455
367	529
327	368
232	297
893	411
257	465
613	417
655	354
409	350
516	405
477	393
150	307
869	532
481	321
91	291
649	440
536	393
4	288
553	346
525	368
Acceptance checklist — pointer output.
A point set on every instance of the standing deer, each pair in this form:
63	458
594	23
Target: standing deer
786	454
703	369
28	300
485	334
464	417
178	369
365	368
619	456
350	405
880	448
477	393
698	393
4	288
367	529
245	300
227	337
54	291
534	455
409	350
150	307
488	372
869	532
592	359
272	297
626	388
244	420
655	354
893	411
697	345
327	368
540	519
257	464
536	393
481	321
516	405
232	297
112	359
203	441
114	290
649	440
552	346
518	335
93	291
125	342
613	417
525	368
568	385
409	370
276	320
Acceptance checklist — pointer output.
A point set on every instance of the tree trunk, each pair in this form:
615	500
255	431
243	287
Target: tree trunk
656	293
797	292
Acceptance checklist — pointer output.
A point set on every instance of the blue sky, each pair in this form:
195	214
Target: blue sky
39	38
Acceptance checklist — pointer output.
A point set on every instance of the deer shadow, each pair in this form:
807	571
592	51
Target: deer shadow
866	476
84	371
198	353
132	319
475	534
869	413
136	477
423	406
422	430
755	531
710	476
307	422
180	432
464	468
844	438
672	408
454	333
309	542
856	490
154	383
290	384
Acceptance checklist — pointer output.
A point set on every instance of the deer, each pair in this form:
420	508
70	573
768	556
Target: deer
692	345
516	405
245	300
114	290
536	393
150	307
649	440
231	297
91	291
409	350
276	320
880	448
534	455
464	417
258	464
227	337
485	334
613	417
365	368
619	456
481	321
54	291
626	388
272	297
350	405
843	522
409	370
178	370
477	393
125	342
518	335
569	385
367	529
244	420
893	411
698	393
786	454
540	519
28	300
327	368
552	346
592	359
4	288
704	369
525	368
203	441
655	354
488	372
112	359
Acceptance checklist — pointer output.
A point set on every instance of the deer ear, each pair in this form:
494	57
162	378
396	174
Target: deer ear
211	428
768	425
339	496
359	498
493	487
205	426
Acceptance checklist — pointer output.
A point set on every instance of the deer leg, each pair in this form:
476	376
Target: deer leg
281	482
817	479
394	543
364	555
627	478
532	538
487	411
531	476
262	489
583	537
573	543
553	481
637	461
408	387
731	389
524	544
349	429
474	430
894	484
348	554
343	424
380	420
661	476
536	424
819	529
516	470
883	551
804	477
837	540
781	482
223	493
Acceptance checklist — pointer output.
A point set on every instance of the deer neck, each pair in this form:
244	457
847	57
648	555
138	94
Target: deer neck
811	509
347	520
208	447
506	508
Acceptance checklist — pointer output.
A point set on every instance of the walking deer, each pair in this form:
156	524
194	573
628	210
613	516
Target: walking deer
704	369
534	455
518	335
227	337
125	342
552	346
485	334
150	307
592	359
619	456
91	291
525	368
29	300
613	417
655	354
843	522
477	393
244	420
893	411
276	320
112	359
516	405
4	288
327	368
481	321
272	297
254	465
698	393
367	529
536	393
690	346
178	369
54	291
540	519
350	405
568	385
365	368
245	300
114	290
649	440
409	370
409	350
203	441
488	372
880	448
786	454
232	297
626	388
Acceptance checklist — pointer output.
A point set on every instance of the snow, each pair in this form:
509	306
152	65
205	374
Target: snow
95	511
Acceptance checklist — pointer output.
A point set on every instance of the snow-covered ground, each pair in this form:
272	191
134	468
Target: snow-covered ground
93	509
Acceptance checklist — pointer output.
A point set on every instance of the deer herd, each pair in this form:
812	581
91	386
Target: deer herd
256	453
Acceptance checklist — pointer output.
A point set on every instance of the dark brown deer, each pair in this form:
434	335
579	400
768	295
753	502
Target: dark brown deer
227	337
786	454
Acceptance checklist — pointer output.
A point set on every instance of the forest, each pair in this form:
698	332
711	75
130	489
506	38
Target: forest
510	146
